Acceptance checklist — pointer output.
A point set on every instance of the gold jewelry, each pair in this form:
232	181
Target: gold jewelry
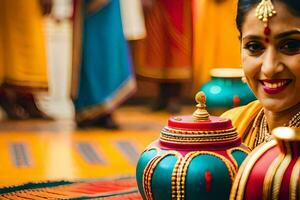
295	121
264	133
265	10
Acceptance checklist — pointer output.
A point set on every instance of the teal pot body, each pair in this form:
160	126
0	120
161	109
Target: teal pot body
225	93
198	174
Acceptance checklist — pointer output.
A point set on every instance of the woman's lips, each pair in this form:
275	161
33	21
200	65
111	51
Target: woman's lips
275	86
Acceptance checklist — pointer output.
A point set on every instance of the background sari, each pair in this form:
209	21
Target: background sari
22	45
166	51
101	61
216	42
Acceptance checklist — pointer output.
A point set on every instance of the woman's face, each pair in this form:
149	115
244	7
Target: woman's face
272	66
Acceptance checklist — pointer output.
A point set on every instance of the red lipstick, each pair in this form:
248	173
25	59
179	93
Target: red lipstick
275	86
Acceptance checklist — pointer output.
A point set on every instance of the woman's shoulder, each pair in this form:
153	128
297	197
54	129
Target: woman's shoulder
252	107
242	117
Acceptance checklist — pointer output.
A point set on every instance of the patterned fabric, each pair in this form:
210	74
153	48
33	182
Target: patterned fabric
166	51
115	189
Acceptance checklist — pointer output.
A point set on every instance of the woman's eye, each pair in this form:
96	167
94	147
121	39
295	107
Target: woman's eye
254	48
290	47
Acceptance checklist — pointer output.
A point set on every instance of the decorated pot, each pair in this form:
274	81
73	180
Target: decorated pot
196	157
272	170
226	89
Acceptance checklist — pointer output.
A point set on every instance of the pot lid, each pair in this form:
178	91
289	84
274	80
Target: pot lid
199	127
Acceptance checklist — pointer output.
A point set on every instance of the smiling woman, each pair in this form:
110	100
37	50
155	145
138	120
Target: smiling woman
270	42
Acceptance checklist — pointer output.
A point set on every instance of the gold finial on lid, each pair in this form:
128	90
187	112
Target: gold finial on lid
265	10
201	113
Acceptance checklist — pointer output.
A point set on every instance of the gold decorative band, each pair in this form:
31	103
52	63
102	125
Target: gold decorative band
196	132
190	140
173	135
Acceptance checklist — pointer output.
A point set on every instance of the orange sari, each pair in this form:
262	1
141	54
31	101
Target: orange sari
246	119
216	42
22	48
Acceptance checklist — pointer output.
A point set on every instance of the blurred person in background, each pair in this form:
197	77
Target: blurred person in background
23	68
102	76
215	38
165	55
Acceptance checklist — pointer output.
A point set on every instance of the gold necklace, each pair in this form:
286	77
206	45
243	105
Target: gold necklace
264	133
295	121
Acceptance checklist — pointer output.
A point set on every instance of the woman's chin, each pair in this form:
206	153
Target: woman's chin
274	105
278	105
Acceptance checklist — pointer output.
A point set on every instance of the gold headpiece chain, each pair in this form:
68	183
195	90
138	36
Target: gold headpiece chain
265	10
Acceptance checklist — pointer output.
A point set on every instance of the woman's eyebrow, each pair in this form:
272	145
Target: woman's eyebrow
288	33
252	37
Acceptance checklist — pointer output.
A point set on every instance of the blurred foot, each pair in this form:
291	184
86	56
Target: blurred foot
28	103
107	122
158	104
11	109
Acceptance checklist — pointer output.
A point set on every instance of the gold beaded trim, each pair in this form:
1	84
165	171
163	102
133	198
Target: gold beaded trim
294	180
148	171
179	139
238	188
205	136
267	185
178	177
147	177
174	178
210	134
199	137
175	135
181	167
186	132
280	172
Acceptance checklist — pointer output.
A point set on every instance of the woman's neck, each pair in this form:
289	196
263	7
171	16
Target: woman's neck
276	119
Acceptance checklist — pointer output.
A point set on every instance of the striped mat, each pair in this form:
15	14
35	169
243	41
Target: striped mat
124	188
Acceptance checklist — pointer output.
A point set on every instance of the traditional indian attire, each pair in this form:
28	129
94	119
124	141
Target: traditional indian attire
215	37
165	54
22	45
102	74
247	120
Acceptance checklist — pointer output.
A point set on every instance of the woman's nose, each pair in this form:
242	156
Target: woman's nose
271	63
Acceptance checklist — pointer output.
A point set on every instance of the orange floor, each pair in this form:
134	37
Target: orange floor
33	151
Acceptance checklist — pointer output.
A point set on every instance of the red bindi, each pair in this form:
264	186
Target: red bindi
267	31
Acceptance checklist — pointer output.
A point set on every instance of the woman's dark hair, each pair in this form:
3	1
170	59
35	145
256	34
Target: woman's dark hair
244	6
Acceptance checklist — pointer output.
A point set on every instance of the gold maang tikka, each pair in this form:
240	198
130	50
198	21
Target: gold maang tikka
264	11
